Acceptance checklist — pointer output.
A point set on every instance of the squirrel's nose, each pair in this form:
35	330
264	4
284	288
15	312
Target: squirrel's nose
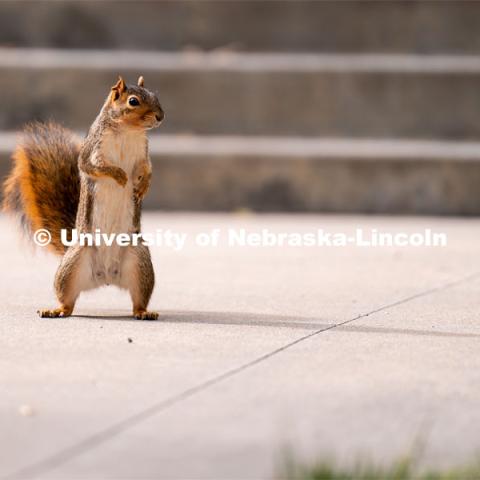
160	116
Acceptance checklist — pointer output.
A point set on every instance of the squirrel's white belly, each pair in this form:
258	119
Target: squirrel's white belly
113	205
112	213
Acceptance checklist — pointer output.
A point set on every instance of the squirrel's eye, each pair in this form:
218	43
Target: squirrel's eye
133	102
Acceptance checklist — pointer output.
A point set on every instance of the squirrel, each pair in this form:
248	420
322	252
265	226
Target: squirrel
58	182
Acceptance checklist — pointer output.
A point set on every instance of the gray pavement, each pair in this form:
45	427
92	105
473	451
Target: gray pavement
327	351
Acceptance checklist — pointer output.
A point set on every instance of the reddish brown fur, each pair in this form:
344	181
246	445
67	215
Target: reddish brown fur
44	185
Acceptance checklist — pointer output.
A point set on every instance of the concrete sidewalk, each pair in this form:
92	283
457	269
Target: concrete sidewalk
328	351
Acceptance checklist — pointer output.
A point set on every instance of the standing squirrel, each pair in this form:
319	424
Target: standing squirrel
60	183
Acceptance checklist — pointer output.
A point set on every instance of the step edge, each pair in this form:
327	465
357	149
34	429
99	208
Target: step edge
180	146
104	60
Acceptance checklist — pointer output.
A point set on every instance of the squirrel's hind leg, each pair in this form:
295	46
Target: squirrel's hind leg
72	277
62	311
138	277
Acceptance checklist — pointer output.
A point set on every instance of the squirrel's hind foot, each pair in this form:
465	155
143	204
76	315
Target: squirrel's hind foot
55	313
144	315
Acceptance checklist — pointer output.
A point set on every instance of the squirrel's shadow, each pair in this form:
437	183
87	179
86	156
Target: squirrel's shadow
271	320
220	318
110	317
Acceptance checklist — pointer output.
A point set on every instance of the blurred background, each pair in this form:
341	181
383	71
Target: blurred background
295	106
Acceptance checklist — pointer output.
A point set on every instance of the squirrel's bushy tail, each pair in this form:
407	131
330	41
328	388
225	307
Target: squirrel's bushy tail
44	184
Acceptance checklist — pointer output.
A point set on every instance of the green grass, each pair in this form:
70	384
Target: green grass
401	470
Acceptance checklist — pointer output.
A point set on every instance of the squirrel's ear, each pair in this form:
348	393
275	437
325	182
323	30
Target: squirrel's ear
118	88
140	81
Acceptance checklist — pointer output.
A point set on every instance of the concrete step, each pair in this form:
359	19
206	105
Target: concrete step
309	175
298	25
386	96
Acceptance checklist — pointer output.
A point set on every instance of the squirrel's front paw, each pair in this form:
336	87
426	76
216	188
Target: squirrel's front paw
141	186
120	176
139	191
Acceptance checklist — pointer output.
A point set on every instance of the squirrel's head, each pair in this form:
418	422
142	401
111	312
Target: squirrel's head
134	105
